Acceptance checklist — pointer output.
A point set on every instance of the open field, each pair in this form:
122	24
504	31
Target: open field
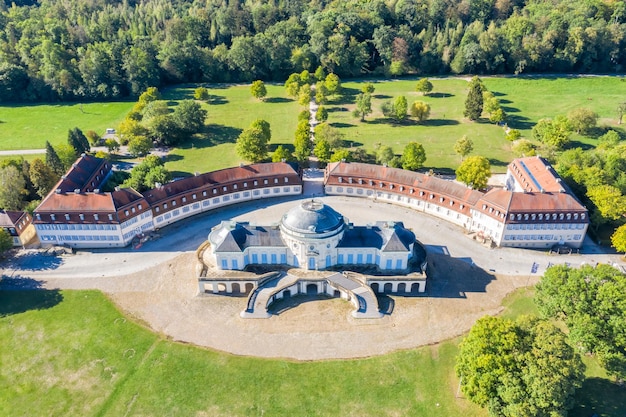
29	126
73	353
232	109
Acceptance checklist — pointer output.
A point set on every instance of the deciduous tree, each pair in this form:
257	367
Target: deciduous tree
384	154
281	153
363	105
201	93
321	114
42	177
304	95
464	146
523	367
420	110
413	156
474	172
6	242
139	145
322	150
252	143
592	303
189	116
341	155
554	132
582	120
333	84
258	90
302	142
424	86
618	239
12	188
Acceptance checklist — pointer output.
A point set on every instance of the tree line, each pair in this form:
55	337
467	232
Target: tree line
106	49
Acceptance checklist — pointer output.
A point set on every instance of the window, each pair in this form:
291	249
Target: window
275	180
67	217
157	209
245	185
203	193
193	196
540	216
533	216
519	217
173	203
164	206
110	217
265	182
255	182
82	216
126	212
184	199
215	191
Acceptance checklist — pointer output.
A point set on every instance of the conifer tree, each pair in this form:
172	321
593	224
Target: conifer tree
474	100
53	160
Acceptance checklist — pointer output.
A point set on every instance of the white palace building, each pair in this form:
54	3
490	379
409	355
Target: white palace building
534	210
313	236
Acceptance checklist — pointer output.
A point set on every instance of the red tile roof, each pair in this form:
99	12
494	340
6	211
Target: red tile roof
535	174
10	218
83	202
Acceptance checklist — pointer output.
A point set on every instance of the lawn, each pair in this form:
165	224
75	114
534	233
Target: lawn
232	109
73	353
526	100
29	126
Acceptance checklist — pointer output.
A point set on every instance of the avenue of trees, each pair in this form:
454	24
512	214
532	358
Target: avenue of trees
101	49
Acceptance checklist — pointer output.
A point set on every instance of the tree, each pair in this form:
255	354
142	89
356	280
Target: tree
252	144
413	156
609	202
153	109
164	130
151	94
519	368
189	116
6	241
333	84
302	142
258	90
554	132
582	120
53	160
147	173
424	86
618	239
512	135
131	127
67	155
42	177
139	146
322	150
201	93
12	188
621	109
320	74
77	140
368	88
384	154
474	100
321	114
523	147
497	116
363	105
304	95
463	146
112	145
420	110
93	137
330	134
281	153
591	301
341	155
474	172
321	93
400	107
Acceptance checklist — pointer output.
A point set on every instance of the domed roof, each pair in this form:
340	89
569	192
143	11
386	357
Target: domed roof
312	217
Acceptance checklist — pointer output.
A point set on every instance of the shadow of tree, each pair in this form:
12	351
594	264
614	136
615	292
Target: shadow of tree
289	146
381	96
336	109
341	124
573	144
215	100
515	121
35	261
277	100
213	134
440	122
440	95
19	294
497	162
599	397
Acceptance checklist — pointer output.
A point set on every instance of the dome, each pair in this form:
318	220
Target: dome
312	217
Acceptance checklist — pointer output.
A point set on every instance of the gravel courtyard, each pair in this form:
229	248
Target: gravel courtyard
156	284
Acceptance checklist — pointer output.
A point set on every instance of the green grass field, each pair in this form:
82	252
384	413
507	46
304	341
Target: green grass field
29	126
232	109
73	353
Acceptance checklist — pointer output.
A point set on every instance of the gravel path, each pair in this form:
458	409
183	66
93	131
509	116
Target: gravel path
156	284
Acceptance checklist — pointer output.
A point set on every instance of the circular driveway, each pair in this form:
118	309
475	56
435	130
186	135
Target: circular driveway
157	284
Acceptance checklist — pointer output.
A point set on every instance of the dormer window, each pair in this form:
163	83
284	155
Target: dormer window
526	216
275	180
533	216
286	179
441	199
255	183
265	182
81	216
340	179
110	217
224	188
245	185
38	216
215	191
95	217
125	212
67	217
432	196
184	199
350	180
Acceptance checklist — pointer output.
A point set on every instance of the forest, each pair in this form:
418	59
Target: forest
53	50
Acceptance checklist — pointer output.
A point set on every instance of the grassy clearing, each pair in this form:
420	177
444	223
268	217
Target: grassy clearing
73	353
232	109
30	126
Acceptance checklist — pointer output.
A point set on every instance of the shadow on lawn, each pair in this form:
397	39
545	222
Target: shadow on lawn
19	294
599	397
212	135
278	100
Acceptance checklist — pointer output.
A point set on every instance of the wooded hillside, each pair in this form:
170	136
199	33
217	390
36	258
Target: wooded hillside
103	49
